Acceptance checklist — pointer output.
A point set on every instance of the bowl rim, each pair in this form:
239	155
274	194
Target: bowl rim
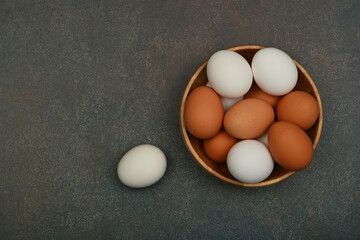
203	164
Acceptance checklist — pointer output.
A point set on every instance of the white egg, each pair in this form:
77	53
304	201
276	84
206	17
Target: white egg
249	161
142	166
229	74
227	102
274	71
264	139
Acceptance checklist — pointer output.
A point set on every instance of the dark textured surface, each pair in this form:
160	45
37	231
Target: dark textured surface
82	82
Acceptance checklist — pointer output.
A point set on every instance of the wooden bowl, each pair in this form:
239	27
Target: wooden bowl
220	171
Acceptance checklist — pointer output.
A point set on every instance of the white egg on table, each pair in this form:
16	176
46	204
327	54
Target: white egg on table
229	74
274	71
249	161
142	166
227	102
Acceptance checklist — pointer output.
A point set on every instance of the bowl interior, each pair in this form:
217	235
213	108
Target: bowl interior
195	145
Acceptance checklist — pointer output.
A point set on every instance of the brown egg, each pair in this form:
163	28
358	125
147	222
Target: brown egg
203	113
256	92
218	146
298	107
290	146
249	118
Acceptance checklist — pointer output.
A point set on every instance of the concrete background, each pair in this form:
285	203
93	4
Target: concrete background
82	82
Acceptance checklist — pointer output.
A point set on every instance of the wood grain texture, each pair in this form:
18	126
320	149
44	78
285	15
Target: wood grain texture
305	83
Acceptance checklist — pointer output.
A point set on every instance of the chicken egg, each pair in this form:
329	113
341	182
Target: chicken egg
229	74
217	147
264	138
227	102
249	118
203	113
290	146
250	161
256	92
298	107
142	166
274	71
